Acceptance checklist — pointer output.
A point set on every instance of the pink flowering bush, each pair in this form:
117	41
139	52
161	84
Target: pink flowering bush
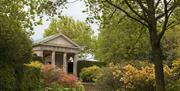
67	79
56	77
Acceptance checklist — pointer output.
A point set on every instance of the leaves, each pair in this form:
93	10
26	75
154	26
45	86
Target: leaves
78	31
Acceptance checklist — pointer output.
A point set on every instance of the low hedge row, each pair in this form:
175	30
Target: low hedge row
84	63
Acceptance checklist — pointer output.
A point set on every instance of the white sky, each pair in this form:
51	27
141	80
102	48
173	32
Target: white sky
74	10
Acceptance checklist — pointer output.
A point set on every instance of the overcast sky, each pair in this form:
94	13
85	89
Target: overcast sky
74	10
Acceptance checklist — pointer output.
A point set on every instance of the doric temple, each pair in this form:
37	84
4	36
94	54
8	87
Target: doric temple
59	50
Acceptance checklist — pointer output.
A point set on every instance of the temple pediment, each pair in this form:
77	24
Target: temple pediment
59	40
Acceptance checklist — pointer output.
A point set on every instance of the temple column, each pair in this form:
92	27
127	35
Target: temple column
75	64
65	62
53	57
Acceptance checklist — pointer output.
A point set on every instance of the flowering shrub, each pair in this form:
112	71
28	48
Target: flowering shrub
90	74
34	64
132	78
50	74
176	67
174	79
32	77
67	80
55	79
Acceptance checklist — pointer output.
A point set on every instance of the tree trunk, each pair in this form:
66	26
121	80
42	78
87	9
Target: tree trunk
157	59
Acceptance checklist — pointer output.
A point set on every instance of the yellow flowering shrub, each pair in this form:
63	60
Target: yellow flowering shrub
176	66
174	79
34	64
136	79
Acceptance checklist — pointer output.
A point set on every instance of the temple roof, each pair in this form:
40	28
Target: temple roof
59	40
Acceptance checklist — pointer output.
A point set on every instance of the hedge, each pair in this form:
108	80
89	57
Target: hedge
37	58
84	63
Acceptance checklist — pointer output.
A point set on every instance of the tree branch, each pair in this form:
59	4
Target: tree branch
141	5
125	12
164	27
135	12
168	10
157	4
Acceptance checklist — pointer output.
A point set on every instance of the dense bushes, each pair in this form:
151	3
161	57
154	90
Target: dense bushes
32	77
174	79
107	81
90	74
55	79
83	63
15	50
7	79
129	78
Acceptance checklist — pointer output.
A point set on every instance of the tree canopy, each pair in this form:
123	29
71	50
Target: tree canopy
156	15
76	30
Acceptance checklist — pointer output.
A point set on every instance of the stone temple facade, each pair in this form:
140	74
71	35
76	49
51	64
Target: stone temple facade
59	50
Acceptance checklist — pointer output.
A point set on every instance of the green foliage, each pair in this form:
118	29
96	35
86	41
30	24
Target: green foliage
121	38
90	74
129	77
15	44
38	58
174	79
7	79
55	79
15	47
57	87
76	30
25	11
32	78
107	82
17	17
84	63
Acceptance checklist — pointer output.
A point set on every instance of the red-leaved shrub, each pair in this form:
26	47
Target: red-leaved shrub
53	74
67	79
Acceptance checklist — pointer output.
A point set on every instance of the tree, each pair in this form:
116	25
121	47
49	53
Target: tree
17	18
121	39
78	31
15	50
156	15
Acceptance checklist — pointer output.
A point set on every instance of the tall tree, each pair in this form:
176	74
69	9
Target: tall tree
17	18
121	39
76	30
156	15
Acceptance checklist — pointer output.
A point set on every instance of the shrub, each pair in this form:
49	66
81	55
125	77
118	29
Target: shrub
56	87
90	74
56	79
50	74
7	79
15	48
67	80
85	64
107	81
32	77
38	58
129	77
174	79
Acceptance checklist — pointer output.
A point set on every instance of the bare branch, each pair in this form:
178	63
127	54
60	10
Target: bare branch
141	5
167	15
125	12
173	24
112	14
135	12
157	4
168	10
